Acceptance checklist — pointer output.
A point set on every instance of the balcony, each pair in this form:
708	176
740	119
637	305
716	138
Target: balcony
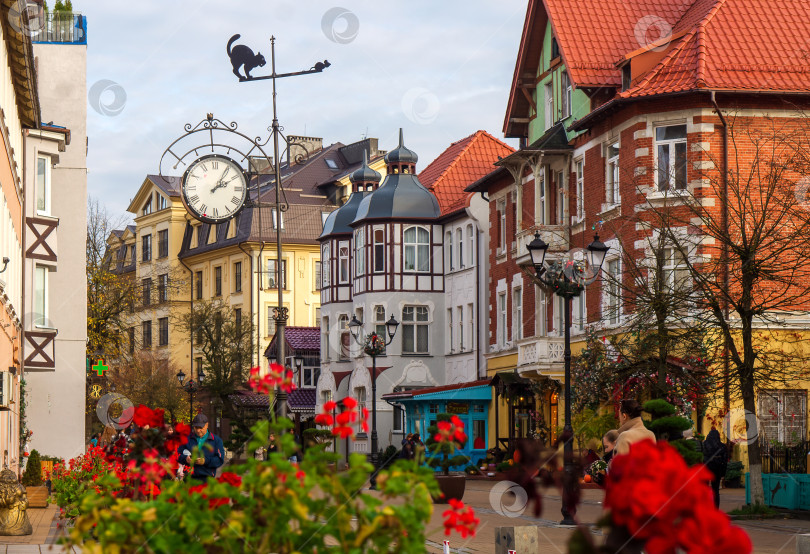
541	356
58	28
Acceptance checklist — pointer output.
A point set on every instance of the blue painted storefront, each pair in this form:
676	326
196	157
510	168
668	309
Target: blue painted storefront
783	490
470	404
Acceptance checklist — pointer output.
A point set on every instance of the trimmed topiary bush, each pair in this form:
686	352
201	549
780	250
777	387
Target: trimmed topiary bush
32	477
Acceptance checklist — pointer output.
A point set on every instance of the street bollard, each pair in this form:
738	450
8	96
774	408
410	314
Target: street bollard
802	544
516	539
446	547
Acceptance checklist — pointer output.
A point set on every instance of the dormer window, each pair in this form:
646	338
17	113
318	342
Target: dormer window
626	76
555	48
161	202
147	208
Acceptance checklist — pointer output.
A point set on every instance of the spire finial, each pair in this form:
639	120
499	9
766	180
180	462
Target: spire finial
401	140
365	157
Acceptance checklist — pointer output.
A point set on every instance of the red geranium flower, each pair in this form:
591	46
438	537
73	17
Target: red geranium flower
452	430
231	478
147	417
460	518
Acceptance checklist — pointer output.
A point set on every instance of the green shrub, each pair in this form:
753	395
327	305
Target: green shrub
32	477
658	408
688	449
734	472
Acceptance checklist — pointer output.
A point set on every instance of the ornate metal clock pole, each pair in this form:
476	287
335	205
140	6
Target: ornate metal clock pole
242	56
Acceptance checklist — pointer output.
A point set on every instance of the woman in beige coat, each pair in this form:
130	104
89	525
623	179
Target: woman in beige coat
631	427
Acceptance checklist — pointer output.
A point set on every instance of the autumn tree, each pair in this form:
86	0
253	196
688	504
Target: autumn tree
150	379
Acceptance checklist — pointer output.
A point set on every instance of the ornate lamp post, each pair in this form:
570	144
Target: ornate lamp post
191	388
356	326
567	279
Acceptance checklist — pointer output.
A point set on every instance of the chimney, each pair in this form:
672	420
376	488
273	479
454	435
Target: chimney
303	147
354	152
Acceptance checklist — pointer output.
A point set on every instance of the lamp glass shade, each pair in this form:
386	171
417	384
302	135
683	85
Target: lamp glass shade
597	250
181	377
355	325
391	326
200	375
537	250
298	362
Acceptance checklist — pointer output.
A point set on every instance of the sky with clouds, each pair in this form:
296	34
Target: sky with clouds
441	70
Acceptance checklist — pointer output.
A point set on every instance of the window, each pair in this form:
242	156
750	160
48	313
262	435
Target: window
517	310
612	291
502	330
324	215
161	202
317	316
580	313
670	150
237	317
417	249
415	330
549	104
146	251
147	291
560	198
448	248
479	434
345	336
501	215
271	321
147	208
163	331
198	284
612	181
163	243
40	296
43	185
579	169
326	396
471	327
343	262
360	251
782	416
275	223
197	366
131	333
310	376
541	312
451	331
163	287
627	77
272	274
540	207
379	251
460	242
675	271
325	265
316	275
434	409
559	315
379	323
566	94
360	396
325	339
470	245
218	281
460	311
237	277
331	164
555	49
146	333
399	419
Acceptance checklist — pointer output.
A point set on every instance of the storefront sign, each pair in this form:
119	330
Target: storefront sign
457	408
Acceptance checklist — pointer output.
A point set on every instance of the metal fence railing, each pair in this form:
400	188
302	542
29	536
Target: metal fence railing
62	27
785	459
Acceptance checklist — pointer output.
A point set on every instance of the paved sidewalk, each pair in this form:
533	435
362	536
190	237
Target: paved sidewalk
42	540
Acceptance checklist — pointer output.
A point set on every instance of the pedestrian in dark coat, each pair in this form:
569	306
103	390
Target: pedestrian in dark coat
715	456
407	447
209	448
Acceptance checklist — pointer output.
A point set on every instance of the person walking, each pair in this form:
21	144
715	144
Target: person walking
609	444
715	456
207	449
272	446
631	427
407	447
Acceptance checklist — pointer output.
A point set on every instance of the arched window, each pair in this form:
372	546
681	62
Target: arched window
470	245
448	249
360	251
459	242
417	249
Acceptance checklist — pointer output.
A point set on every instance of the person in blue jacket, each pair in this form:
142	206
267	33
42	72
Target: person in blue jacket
209	446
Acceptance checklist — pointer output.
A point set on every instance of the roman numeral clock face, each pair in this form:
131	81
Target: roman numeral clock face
214	188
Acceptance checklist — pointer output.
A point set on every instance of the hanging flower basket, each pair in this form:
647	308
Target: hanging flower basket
374	345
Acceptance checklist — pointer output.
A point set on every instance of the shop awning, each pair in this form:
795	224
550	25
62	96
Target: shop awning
474	390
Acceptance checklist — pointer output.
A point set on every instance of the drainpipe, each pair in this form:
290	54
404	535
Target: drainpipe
724	223
191	314
258	312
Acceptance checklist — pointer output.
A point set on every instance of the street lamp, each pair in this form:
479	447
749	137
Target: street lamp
298	363
191	388
356	327
567	279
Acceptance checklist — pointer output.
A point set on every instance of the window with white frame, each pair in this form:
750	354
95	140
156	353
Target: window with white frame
540	203
345	336
43	185
612	291
501	214
580	312
309	376
417	249
560	198
276	219
273	278
451	345
379	251
343	262
399	419
470	245
360	396
559	315
326	396
517	311
379	323
670	152
147	207
448	248
541	313
161	202
460	313
460	243
502	323
325	263
40	296
325	334
415	330
783	415
549	104
675	270
317	276
360	253
471	327
566	94
579	170
612	177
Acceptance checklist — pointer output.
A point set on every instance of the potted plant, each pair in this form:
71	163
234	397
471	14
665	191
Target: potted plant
445	437
32	479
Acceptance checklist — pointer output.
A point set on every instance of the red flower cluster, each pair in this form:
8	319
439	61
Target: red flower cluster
276	377
147	418
461	518
341	423
658	498
452	430
231	479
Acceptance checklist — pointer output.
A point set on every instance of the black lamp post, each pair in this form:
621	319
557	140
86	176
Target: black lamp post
567	279
356	326
191	388
298	364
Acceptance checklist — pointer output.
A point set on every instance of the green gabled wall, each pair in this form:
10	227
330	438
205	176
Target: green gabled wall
579	100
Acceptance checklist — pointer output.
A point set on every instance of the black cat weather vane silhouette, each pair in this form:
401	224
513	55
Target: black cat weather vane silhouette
242	57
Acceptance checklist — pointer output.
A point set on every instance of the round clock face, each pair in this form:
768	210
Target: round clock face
214	188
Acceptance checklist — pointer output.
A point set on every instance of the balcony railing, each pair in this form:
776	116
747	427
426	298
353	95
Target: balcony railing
540	353
59	27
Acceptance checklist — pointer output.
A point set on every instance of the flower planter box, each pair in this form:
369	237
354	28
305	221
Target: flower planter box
452	487
37	496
